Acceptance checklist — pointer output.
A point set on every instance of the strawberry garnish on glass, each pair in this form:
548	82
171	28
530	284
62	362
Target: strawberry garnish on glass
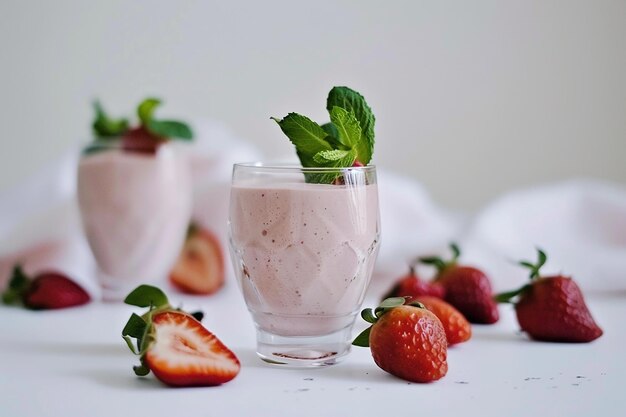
466	288
551	308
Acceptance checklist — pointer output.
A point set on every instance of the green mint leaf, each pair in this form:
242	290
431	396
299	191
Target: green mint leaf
334	158
135	327
307	136
146	108
331	130
333	135
347	127
352	101
169	129
363	339
146	296
106	127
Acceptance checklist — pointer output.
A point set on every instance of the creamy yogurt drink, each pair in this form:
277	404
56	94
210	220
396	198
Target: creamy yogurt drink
303	254
135	209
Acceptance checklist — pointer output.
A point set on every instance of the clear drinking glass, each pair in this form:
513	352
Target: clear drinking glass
303	253
135	206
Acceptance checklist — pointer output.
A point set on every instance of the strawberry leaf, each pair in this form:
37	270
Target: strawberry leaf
534	268
147	296
198	315
436	261
456	251
141	370
135	327
18	285
363	339
392	302
130	344
507	297
368	315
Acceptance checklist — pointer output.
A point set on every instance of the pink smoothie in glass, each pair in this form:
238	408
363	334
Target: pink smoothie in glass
135	210
304	253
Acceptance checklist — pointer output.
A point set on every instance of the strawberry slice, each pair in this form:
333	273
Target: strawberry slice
200	265
184	353
174	345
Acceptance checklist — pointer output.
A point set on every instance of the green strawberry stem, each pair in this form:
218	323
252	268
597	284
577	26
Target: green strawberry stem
18	285
438	262
507	297
372	316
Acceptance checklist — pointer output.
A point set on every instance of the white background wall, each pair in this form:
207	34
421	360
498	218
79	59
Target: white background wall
472	97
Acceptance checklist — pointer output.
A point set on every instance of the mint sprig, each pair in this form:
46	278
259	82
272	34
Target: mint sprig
106	127
355	103
347	139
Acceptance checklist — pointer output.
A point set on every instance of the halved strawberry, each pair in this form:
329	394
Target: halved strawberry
174	345
200	265
184	353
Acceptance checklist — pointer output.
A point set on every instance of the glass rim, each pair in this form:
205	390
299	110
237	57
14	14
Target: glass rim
295	167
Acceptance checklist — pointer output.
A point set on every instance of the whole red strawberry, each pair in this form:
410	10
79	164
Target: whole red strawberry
412	286
553	308
407	341
48	290
466	288
456	326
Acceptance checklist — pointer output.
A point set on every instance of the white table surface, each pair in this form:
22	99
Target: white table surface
74	363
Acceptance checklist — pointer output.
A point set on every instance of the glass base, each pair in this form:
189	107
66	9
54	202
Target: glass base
115	289
304	351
